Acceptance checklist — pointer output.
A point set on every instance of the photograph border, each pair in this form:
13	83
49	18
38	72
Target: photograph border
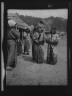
40	5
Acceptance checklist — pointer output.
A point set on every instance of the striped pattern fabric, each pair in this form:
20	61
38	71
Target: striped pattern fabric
37	52
52	49
12	53
13	34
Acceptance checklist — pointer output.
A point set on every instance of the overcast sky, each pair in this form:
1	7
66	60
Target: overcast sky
42	13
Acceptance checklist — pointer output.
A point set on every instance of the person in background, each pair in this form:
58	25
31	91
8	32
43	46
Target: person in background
26	41
32	40
12	37
52	41
23	41
20	41
19	47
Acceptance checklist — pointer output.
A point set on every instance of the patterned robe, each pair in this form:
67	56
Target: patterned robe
52	48
19	47
13	35
32	41
38	41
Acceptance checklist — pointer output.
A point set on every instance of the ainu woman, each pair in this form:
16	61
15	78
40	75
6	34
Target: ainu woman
38	41
52	41
19	42
13	35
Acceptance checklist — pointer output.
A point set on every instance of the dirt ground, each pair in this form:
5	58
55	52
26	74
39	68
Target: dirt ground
28	72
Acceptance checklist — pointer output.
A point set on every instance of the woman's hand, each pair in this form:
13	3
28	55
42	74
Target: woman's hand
48	40
36	41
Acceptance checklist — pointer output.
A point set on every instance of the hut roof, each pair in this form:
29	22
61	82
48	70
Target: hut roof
16	18
22	25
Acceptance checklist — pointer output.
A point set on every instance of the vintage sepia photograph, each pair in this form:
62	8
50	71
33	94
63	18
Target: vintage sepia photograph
36	47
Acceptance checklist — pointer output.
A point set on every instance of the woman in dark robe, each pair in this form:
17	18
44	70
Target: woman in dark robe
32	40
12	37
38	41
52	41
20	42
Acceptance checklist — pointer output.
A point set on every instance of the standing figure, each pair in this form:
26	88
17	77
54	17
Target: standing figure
52	41
19	46
13	35
38	41
32	41
20	41
26	42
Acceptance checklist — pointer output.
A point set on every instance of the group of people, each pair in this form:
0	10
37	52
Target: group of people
23	41
38	38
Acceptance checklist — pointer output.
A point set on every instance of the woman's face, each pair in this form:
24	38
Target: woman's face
36	34
53	31
18	39
39	29
32	27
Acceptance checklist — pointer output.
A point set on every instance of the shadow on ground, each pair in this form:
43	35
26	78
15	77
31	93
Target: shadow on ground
27	58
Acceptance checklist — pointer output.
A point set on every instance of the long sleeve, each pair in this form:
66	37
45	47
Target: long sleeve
53	41
41	39
31	35
15	33
56	39
48	39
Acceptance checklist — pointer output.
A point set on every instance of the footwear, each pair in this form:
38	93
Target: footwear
32	58
27	53
17	53
54	63
9	68
13	66
23	53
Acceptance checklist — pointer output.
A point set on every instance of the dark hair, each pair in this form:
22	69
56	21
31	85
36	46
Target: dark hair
27	30
35	27
53	32
53	28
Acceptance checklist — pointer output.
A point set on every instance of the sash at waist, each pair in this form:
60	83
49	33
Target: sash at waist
10	38
38	43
